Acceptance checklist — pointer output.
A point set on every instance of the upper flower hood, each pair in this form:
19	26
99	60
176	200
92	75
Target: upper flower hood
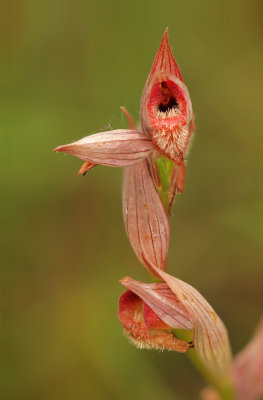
166	108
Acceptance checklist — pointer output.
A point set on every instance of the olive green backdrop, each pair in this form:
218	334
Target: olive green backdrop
69	66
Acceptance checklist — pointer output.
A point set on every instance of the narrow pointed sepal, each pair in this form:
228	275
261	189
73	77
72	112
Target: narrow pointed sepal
145	219
86	166
129	118
118	148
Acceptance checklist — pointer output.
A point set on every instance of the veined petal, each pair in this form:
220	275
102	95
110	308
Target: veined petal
117	148
210	335
248	368
132	317
160	298
145	219
164	60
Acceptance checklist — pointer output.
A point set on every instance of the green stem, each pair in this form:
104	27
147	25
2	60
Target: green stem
224	389
165	168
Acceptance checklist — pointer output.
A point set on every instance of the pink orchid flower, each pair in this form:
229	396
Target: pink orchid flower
153	157
154	314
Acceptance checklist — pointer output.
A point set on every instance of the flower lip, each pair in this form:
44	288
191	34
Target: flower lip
167	101
171	130
163	87
144	328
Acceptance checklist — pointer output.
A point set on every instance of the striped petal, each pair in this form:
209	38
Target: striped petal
145	219
118	148
164	60
160	299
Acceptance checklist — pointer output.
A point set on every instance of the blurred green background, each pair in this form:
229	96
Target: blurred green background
69	66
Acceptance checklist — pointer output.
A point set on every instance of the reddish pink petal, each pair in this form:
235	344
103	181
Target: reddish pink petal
117	148
132	319
248	369
166	114
145	219
130	306
151	319
164	60
210	335
164	303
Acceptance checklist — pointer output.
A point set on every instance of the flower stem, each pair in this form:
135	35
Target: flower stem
224	389
165	168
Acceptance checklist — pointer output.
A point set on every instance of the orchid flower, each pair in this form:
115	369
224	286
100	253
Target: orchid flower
155	315
169	314
154	156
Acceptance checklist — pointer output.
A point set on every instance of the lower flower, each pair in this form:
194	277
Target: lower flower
153	314
143	326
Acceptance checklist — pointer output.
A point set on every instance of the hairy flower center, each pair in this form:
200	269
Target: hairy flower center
168	108
166	101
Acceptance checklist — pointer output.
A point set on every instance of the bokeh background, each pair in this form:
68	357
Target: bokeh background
69	66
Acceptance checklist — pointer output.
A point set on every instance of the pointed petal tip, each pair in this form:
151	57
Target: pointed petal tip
164	60
166	33
165	39
124	280
60	148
